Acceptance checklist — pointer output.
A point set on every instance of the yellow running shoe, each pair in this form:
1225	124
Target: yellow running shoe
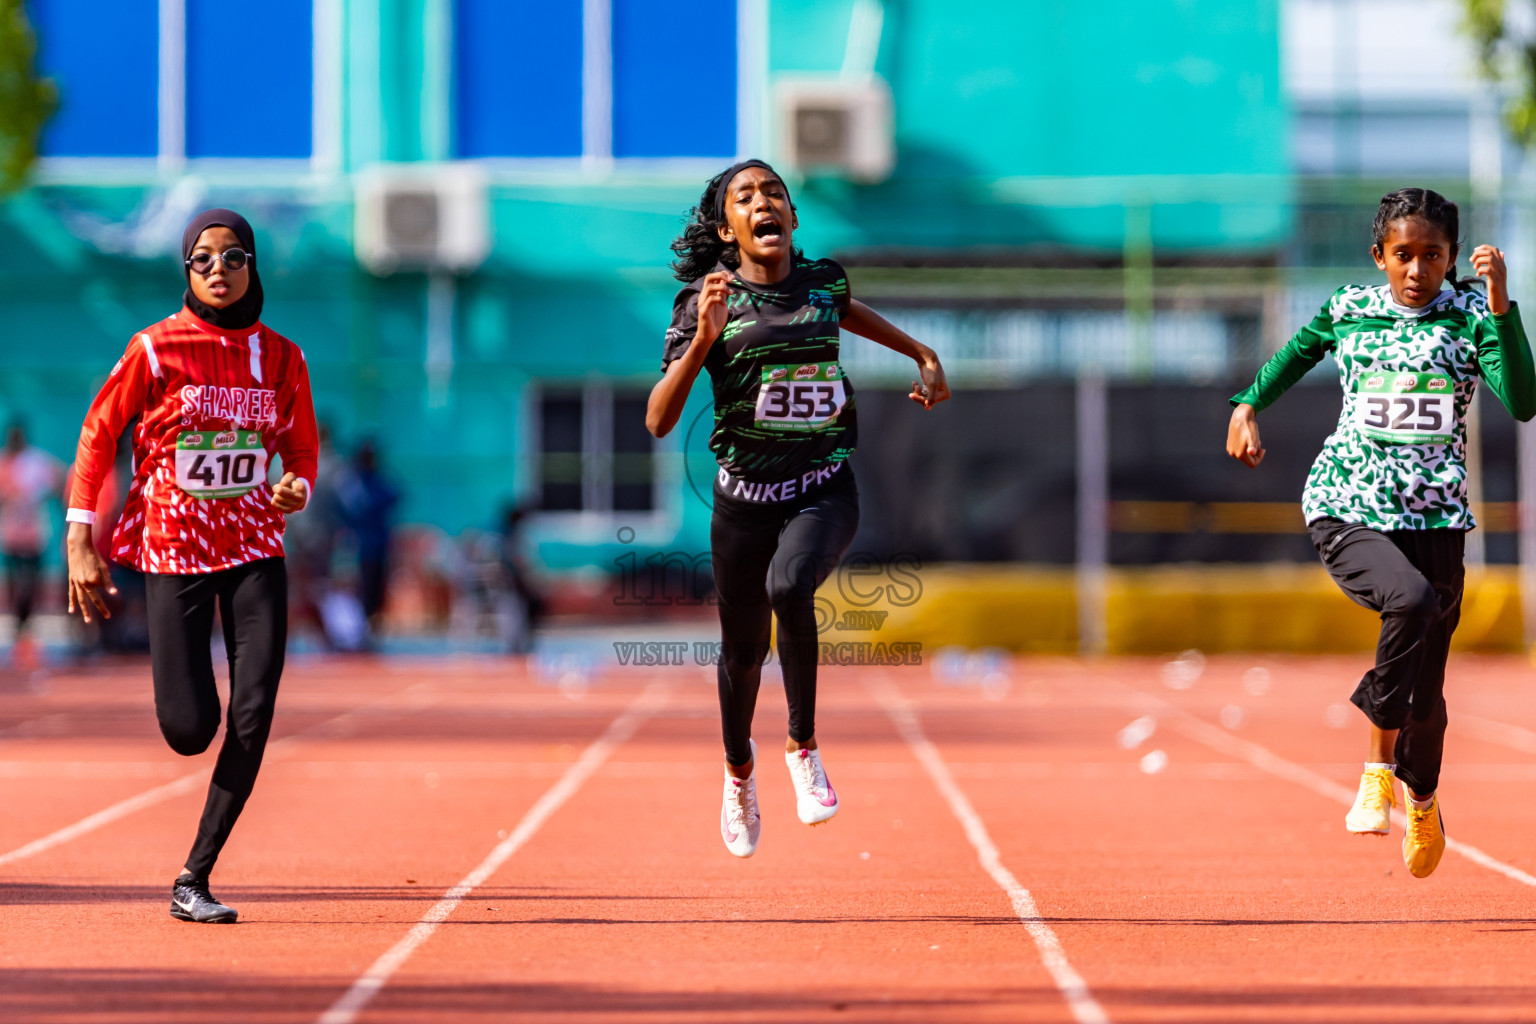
1372	813
1424	844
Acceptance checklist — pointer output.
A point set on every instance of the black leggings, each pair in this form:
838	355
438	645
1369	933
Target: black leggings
253	603
768	561
1414	580
21	571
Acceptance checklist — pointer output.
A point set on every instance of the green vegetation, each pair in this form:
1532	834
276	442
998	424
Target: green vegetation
1505	56
26	102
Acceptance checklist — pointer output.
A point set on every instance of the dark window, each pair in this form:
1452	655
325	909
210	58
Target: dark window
634	464
560	462
595	454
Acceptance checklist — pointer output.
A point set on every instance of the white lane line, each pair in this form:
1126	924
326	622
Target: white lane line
43	725
287	768
1073	989
1493	731
371	981
121	809
1223	742
91	770
178	787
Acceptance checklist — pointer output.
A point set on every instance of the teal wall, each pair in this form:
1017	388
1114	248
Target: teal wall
994	88
1133	94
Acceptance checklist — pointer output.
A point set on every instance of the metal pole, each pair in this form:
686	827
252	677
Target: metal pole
1486	164
1092	513
1527	506
1476	553
442	297
1137	260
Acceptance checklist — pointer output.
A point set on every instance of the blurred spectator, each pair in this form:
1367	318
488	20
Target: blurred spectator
28	477
367	501
518	582
310	541
496	594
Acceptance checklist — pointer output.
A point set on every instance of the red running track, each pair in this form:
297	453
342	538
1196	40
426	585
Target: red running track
1219	888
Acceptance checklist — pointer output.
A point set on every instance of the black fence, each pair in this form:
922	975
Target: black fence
992	474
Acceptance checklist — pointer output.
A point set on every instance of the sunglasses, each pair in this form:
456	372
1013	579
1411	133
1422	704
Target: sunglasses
233	259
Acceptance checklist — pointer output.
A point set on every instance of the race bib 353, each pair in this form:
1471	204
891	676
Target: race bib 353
803	396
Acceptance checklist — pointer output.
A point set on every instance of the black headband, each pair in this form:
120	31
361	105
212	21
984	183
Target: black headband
730	175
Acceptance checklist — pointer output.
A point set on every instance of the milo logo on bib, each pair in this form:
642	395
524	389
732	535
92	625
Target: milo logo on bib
804	396
1406	408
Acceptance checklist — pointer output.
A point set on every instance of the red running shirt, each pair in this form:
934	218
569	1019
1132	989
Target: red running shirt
185	376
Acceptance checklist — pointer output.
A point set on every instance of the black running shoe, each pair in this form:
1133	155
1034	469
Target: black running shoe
191	901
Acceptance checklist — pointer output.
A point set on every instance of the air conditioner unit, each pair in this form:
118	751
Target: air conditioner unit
421	217
840	126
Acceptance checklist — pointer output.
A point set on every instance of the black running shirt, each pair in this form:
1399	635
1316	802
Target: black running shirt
782	405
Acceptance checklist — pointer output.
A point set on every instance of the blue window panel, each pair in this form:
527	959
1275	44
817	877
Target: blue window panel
250	78
104	58
517	78
664	53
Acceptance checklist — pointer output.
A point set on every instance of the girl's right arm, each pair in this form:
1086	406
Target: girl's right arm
1283	369
670	394
122	397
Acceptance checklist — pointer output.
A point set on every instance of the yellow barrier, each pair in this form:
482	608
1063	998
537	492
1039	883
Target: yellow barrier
1294	608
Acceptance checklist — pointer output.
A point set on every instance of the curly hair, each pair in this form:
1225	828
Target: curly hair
1431	206
700	246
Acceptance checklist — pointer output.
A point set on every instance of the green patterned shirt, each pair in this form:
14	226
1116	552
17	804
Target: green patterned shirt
782	404
1397	459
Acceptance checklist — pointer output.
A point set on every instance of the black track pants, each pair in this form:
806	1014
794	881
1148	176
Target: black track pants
253	604
21	572
1414	580
768	561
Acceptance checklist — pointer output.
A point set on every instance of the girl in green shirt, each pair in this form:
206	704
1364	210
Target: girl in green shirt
1386	501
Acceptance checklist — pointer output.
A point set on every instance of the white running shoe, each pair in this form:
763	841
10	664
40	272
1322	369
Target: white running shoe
815	799
740	823
1372	811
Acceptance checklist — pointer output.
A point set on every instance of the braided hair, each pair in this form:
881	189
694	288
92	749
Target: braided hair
700	246
1429	205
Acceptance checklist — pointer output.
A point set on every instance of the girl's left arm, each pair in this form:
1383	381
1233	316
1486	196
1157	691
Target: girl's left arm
1503	353
866	323
298	442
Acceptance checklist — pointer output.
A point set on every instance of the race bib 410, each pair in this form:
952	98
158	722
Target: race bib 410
804	396
220	463
1406	408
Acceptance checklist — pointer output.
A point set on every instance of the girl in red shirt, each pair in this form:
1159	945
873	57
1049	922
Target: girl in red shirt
218	395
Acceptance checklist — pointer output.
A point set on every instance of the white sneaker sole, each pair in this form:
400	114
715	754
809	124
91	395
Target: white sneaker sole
1367	827
816	814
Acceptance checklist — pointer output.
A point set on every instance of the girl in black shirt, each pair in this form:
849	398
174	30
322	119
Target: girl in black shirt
764	322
